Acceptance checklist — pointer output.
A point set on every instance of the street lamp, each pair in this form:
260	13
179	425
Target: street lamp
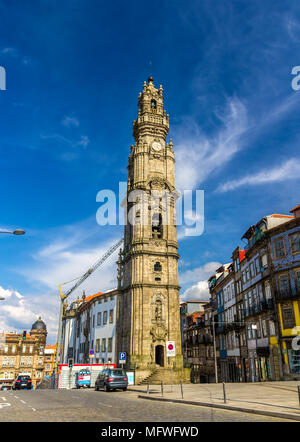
15	232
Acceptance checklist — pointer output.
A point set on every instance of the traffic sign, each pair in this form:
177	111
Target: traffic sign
170	348
122	357
91	353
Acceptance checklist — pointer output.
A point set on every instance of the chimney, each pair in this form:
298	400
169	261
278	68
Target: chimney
296	211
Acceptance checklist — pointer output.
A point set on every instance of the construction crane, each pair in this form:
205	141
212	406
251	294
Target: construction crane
82	278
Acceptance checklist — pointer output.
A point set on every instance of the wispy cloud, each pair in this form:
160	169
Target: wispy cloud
14	53
197	155
70	121
288	170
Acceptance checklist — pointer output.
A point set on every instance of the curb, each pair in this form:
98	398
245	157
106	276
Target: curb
225	407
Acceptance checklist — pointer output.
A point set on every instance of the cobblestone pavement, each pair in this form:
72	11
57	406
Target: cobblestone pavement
88	405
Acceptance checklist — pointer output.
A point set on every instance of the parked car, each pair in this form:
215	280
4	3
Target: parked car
111	379
22	382
5	387
83	379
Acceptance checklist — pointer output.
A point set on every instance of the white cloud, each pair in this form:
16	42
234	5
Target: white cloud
199	273
197	292
288	170
197	155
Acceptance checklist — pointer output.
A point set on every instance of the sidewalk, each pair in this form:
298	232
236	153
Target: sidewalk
278	399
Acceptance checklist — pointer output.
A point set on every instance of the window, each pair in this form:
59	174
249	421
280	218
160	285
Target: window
279	248
13	348
297	280
243	276
247	274
295	242
272	328
288	316
257	266
99	318
104	317
268	290
157	267
93	320
97	345
109	345
264	328
153	104
259	292
105	299
103	344
111	316
30	348
252	270
264	262
23	348
284	283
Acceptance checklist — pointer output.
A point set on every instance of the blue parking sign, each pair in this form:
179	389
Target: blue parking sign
122	356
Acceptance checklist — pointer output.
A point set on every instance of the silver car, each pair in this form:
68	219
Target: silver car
111	379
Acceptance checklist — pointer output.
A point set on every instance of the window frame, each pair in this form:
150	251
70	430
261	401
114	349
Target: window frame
279	238
290	242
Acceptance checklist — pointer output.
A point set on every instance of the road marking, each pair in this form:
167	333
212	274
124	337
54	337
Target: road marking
16	397
4	404
3	398
23	401
33	409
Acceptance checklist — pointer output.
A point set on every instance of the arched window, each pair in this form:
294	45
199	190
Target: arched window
153	104
157	267
157	228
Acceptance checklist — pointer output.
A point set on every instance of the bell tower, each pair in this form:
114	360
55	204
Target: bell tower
149	313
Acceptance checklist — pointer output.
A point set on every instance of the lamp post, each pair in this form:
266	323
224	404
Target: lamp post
14	232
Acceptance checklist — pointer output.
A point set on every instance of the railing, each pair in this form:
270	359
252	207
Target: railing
281	295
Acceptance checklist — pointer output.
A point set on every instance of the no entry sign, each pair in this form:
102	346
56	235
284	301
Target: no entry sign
170	348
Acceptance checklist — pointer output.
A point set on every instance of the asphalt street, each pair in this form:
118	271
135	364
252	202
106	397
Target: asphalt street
88	405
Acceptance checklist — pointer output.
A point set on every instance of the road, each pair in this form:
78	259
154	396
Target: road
88	405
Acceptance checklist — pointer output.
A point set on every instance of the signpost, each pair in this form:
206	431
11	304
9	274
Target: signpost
171	353
122	357
91	355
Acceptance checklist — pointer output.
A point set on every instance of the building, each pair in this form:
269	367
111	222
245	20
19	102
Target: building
23	354
254	312
148	313
49	360
284	251
90	324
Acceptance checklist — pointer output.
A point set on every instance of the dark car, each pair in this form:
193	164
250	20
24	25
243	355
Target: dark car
111	379
22	382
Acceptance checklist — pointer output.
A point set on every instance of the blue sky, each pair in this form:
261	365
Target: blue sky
74	70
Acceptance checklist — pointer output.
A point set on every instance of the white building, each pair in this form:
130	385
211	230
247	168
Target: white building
90	324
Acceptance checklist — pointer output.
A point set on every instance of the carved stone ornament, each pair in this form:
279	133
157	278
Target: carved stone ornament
158	332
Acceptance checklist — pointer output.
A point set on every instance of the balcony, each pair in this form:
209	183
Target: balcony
266	305
284	295
259	307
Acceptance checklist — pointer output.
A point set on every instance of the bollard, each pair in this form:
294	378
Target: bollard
224	393
162	388
181	389
299	393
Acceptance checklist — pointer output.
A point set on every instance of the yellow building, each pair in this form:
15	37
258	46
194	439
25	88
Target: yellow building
285	250
49	359
23	354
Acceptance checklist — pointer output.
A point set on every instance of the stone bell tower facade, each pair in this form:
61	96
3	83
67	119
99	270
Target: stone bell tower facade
149	313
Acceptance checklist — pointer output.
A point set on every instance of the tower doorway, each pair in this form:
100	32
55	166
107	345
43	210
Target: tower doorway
159	355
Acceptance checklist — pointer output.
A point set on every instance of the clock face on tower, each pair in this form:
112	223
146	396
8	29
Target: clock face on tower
156	146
